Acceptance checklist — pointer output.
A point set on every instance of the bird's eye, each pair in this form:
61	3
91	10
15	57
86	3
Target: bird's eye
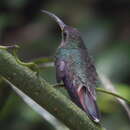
65	35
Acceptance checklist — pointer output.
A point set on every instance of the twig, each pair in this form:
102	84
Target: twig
113	94
110	87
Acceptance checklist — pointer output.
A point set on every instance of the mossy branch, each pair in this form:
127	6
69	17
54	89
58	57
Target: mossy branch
44	94
4	93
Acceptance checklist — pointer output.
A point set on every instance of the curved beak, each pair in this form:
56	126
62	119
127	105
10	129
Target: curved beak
58	20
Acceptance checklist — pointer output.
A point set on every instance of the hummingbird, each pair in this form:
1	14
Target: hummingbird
76	70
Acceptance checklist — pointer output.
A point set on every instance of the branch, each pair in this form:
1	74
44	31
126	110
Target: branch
44	94
50	121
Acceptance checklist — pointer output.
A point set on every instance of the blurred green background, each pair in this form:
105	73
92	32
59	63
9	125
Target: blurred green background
105	28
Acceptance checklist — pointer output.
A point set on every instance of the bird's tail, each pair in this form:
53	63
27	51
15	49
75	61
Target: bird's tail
88	102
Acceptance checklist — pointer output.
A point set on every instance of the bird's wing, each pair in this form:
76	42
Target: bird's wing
91	70
60	66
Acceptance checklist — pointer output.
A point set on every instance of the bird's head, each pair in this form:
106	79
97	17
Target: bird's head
70	36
